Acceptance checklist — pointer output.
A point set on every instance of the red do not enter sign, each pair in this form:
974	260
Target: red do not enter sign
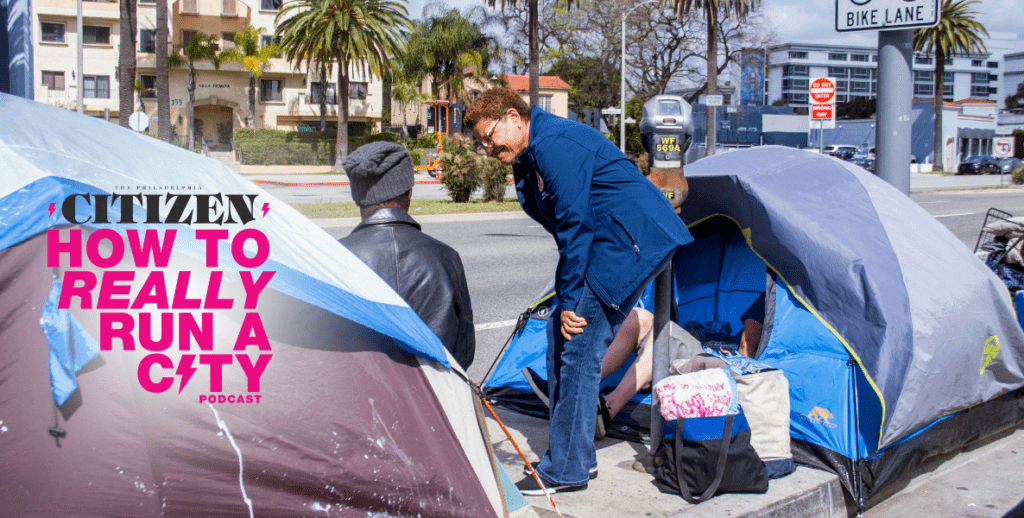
823	90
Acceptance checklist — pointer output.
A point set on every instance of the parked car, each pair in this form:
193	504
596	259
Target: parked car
1007	164
866	163
836	148
978	165
844	153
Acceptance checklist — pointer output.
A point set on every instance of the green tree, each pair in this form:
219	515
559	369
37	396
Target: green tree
126	61
201	47
534	39
446	46
253	56
856	109
711	10
594	83
1015	102
957	33
356	32
405	89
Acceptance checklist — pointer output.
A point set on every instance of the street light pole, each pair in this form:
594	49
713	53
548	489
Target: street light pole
622	78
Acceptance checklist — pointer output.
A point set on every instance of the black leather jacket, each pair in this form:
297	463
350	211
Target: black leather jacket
427	273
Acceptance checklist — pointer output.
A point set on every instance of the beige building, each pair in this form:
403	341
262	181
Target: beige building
286	97
554	97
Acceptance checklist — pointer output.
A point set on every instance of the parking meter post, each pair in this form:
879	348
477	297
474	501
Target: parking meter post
666	131
662	352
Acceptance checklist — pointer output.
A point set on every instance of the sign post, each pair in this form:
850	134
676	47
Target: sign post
1002	147
823	104
895	20
713	102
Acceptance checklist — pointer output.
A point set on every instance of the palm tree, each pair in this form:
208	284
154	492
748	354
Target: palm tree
957	32
126	61
253	56
445	47
199	48
356	32
163	79
711	7
534	42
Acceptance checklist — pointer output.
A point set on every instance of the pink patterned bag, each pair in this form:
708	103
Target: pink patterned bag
704	393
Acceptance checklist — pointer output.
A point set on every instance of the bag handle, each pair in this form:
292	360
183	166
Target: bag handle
723	455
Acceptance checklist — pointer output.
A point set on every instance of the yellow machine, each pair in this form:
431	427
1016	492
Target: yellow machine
437	123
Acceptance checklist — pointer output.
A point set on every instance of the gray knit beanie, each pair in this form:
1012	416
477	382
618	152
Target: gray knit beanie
378	172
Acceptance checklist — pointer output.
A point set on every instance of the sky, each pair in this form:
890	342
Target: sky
814	20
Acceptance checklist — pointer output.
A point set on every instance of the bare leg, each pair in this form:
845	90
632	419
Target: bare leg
639	374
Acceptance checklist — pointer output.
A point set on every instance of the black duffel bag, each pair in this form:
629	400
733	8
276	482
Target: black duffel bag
706	456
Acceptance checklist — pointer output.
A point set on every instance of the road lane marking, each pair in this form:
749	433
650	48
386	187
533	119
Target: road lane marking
954	215
496	325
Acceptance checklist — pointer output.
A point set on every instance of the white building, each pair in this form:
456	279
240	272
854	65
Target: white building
988	77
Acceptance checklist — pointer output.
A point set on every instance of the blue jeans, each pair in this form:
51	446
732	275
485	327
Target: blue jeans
574	379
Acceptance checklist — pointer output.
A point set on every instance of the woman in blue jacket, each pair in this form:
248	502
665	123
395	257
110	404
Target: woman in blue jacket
614	230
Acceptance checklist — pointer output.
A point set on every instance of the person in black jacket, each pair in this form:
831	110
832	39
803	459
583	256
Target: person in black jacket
427	273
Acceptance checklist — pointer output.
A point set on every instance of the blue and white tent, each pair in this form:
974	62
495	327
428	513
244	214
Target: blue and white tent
899	345
334	398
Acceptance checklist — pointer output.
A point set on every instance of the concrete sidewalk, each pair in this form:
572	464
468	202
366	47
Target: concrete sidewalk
985	481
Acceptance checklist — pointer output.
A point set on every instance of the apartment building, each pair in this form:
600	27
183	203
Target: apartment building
287	97
791	66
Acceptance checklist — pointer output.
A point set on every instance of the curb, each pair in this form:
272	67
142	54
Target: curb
314	184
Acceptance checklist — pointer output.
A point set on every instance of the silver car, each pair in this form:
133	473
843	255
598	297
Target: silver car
1006	165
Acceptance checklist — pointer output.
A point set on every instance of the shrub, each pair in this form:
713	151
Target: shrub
461	169
384	137
495	179
279	147
1018	175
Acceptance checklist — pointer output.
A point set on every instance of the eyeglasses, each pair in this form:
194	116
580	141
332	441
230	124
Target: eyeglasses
485	143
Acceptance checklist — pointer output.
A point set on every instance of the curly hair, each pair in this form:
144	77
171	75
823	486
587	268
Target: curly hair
493	103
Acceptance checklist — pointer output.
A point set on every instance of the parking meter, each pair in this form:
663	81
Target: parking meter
666	131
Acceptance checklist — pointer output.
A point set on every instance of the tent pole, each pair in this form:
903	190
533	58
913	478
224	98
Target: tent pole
858	463
662	315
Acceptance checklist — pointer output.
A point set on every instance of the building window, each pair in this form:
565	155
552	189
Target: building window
271	90
147	40
993	77
923	89
992	90
270	5
979	90
53	80
860	73
796	71
922	60
842	98
545	103
993	64
147	1
52	32
190	6
977	63
797	55
842	86
314	93
266	40
798	98
979	79
187	36
924	76
229	8
947	77
795	84
859	57
874	58
96	87
860	86
357	90
837	56
836	71
229	40
149	85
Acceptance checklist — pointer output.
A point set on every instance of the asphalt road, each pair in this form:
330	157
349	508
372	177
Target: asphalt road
510	260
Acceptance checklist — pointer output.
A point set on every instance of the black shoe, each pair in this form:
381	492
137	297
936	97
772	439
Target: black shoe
528	487
604	419
527	472
538	384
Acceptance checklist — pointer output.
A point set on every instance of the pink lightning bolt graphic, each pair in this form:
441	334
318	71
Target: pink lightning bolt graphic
266	209
53	207
185	370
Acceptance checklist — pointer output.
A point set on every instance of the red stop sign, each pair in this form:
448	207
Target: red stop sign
823	90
